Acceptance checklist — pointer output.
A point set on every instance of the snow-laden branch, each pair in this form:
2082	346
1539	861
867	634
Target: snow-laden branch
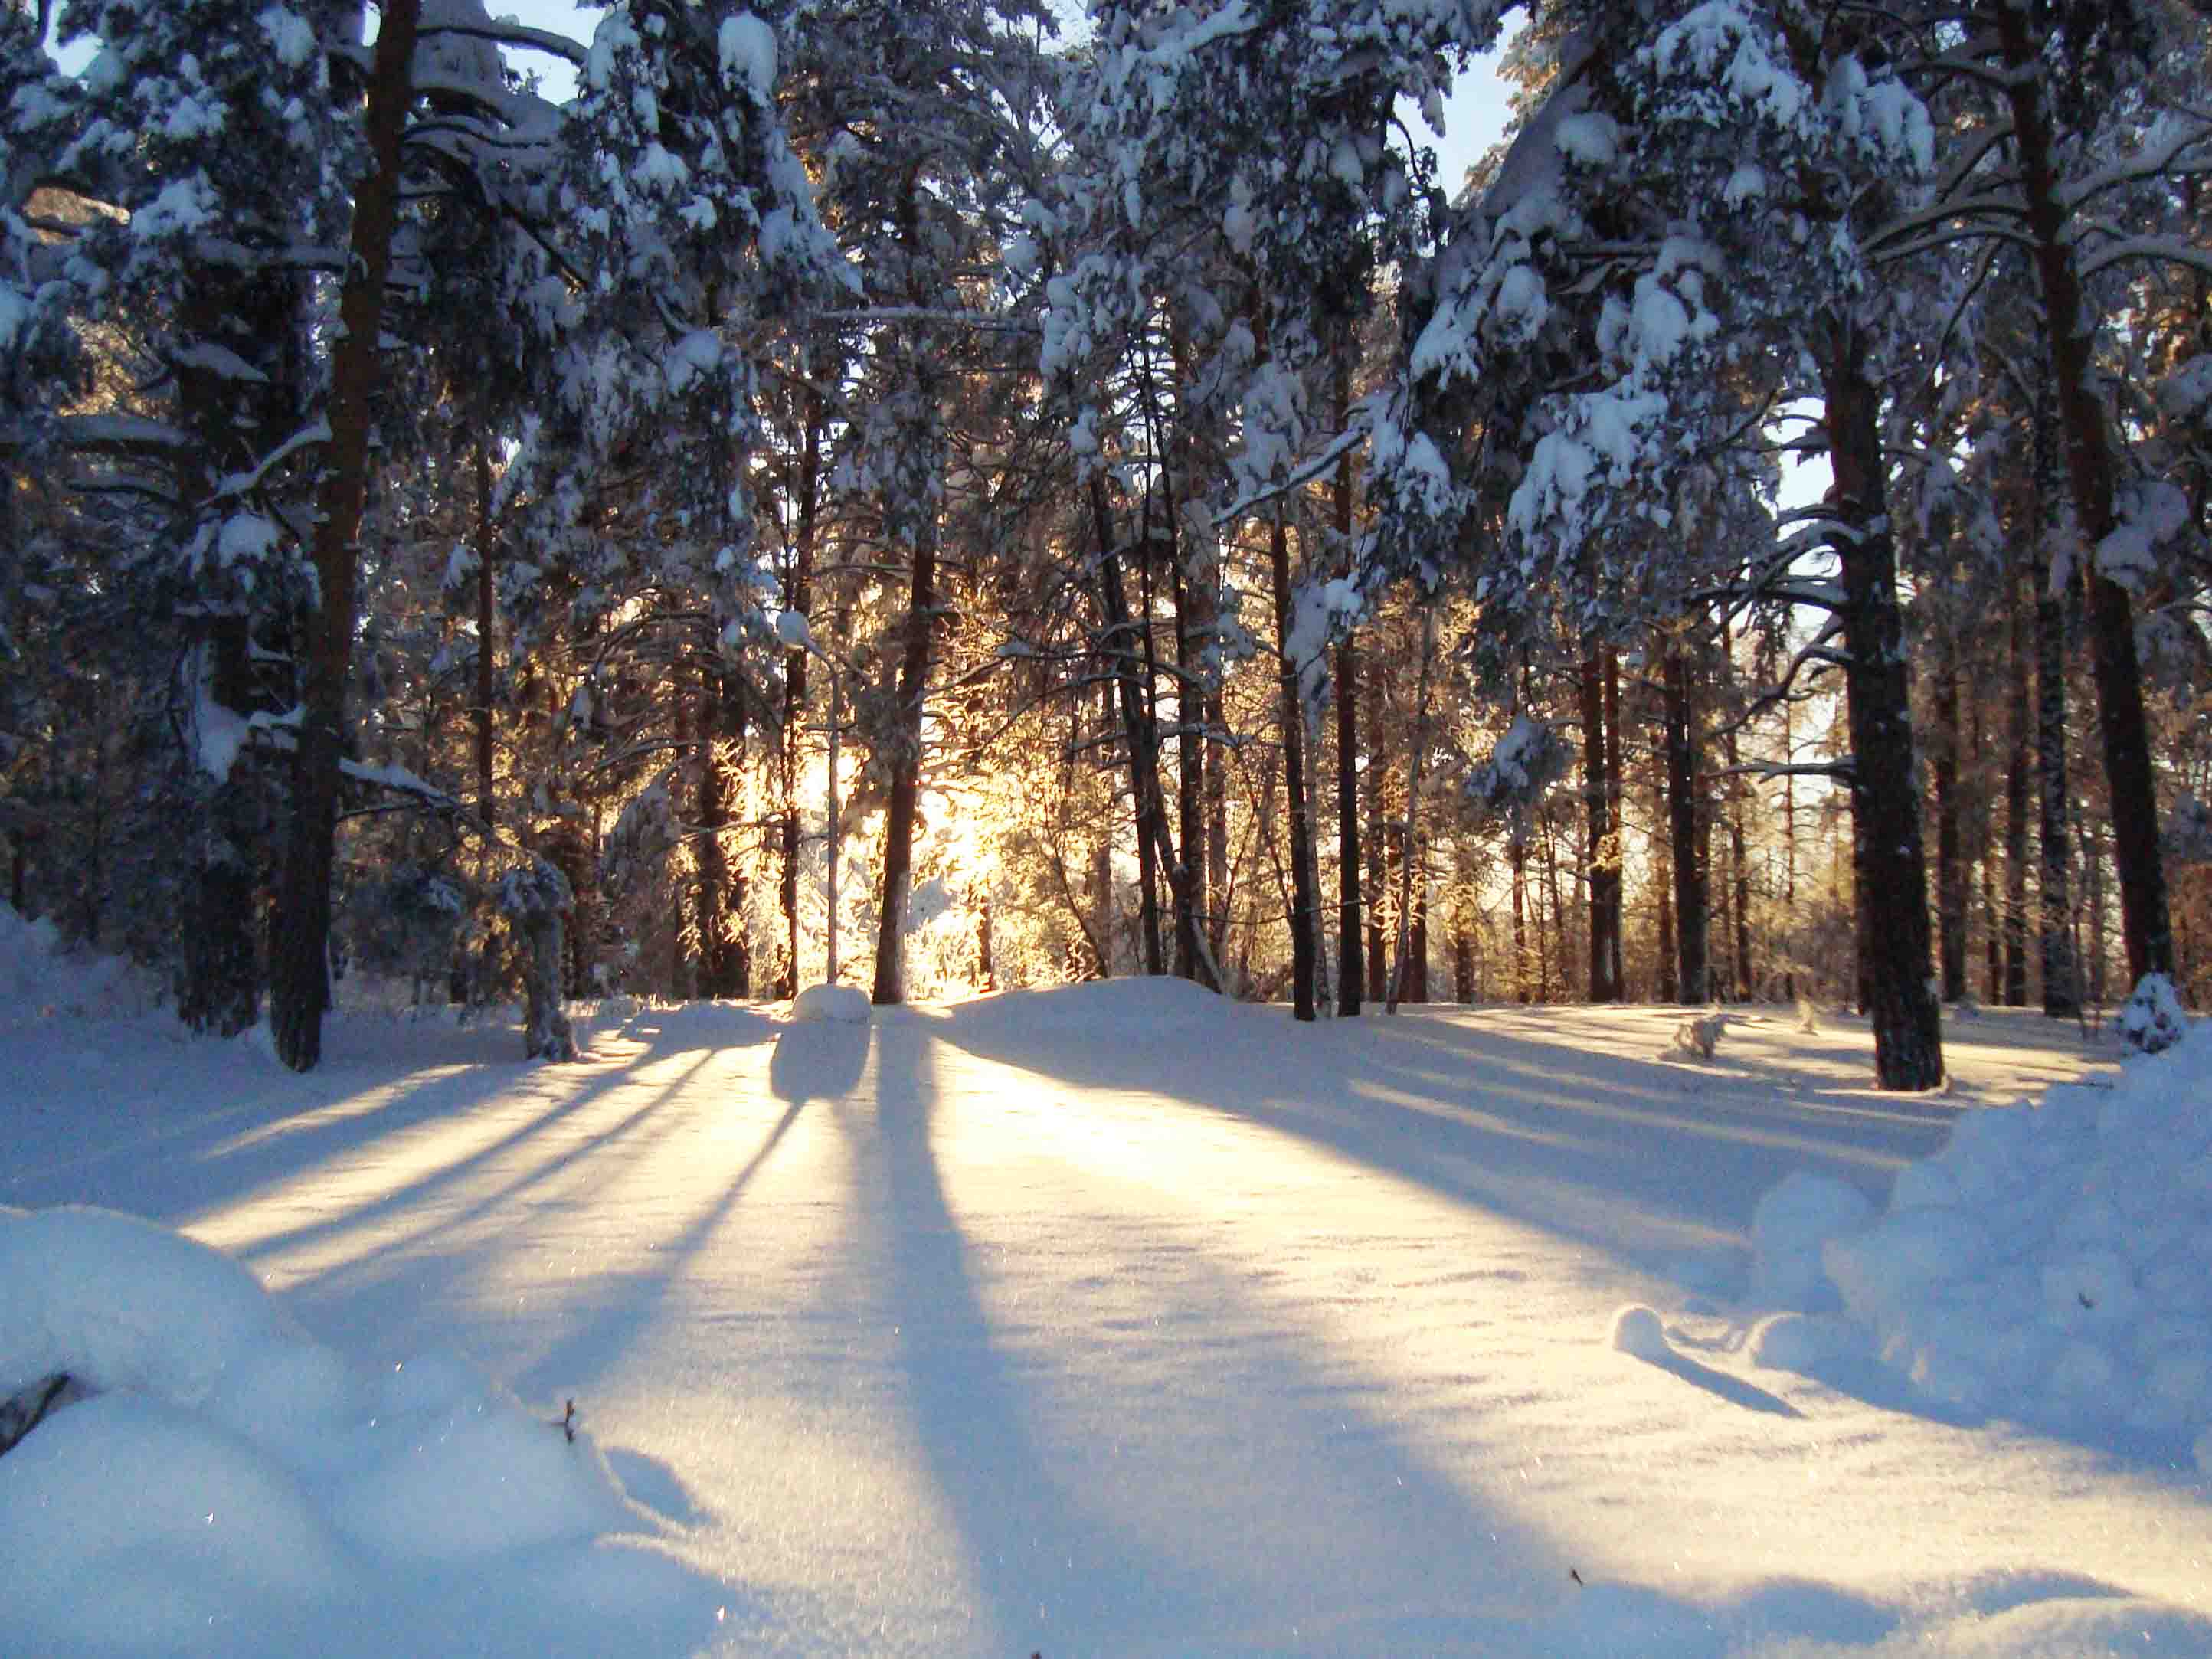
511	34
2150	163
2138	250
1299	476
317	431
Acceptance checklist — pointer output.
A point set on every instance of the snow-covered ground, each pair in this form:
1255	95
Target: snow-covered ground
1109	1321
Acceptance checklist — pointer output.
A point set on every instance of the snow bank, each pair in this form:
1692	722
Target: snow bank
1151	1003
41	979
2047	1265
231	1485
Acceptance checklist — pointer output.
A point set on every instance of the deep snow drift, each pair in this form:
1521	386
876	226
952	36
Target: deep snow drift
2051	1266
1115	1320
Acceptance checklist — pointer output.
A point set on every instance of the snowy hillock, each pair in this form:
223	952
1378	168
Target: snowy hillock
39	979
2047	1265
215	1480
1099	1008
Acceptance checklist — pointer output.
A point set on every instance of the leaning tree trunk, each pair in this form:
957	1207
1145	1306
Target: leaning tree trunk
299	987
2093	472
1888	857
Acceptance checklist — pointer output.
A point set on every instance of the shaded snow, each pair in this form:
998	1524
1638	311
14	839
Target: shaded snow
1113	1319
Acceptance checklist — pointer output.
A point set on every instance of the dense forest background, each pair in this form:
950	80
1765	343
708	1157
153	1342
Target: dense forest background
1093	500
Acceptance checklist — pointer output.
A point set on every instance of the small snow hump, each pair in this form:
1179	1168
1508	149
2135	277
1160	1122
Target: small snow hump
841	1005
1637	1330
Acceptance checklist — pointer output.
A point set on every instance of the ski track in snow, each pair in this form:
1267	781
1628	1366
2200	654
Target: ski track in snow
1121	1320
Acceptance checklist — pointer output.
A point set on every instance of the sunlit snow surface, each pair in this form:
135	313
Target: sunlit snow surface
1108	1321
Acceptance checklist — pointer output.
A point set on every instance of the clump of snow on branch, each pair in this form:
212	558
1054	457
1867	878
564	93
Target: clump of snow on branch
1528	759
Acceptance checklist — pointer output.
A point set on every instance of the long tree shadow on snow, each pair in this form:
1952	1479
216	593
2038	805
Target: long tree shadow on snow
1610	1151
1053	1543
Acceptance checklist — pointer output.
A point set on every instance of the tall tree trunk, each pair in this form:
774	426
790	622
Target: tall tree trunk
1100	882
1351	968
917	518
1739	878
1603	855
1304	947
1154	843
1374	802
1683	813
1198	609
791	841
1216	828
300	988
724	956
1950	866
1789	840
1889	865
2092	471
1517	854
1670	955
2017	783
487	617
2062	995
1615	795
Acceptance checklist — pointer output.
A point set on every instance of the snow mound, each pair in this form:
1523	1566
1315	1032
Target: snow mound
231	1485
1790	1226
40	978
2047	1266
1150	1002
842	1004
119	1303
1637	1330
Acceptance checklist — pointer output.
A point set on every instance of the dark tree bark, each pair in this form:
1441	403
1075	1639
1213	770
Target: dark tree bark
487	618
1690	916
1374	803
2062	995
1888	857
1739	879
1518	853
919	522
1616	927
724	956
800	597
2092	471
1352	969
2017	783
1305	903
299	991
1139	733
1950	860
1603	840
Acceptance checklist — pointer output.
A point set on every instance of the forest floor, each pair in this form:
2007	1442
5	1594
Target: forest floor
1119	1319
